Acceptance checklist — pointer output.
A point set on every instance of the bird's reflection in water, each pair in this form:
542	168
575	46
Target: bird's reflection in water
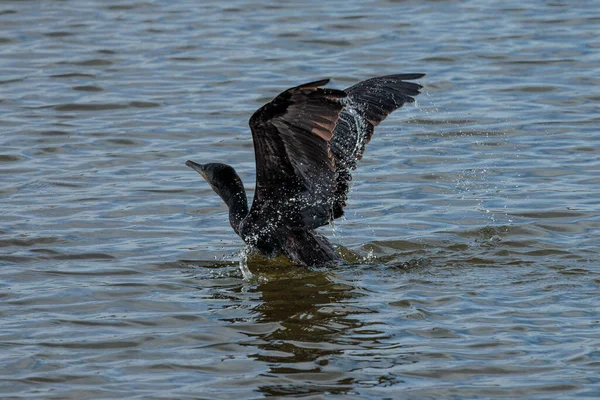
316	311
310	331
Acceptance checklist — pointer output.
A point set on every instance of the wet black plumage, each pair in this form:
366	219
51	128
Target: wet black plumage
307	140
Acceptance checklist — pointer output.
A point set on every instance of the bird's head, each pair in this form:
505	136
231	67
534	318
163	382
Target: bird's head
226	183
221	177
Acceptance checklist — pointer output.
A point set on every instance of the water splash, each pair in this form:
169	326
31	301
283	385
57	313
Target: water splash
244	263
370	257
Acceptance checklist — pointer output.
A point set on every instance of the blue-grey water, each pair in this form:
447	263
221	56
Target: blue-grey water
471	238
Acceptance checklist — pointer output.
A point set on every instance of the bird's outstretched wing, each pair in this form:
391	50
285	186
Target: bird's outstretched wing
368	103
295	169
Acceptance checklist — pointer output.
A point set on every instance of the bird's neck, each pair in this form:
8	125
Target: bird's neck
238	207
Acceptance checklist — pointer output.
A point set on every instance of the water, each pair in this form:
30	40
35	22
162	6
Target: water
471	234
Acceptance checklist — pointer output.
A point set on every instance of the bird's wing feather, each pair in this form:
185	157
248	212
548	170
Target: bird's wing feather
369	103
295	169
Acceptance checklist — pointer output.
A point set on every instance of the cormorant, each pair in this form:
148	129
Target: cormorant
306	142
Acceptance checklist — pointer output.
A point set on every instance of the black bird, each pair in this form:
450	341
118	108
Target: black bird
306	142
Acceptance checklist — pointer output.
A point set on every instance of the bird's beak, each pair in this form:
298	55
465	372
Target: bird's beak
199	168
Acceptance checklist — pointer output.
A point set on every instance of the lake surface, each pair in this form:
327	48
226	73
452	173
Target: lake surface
471	238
